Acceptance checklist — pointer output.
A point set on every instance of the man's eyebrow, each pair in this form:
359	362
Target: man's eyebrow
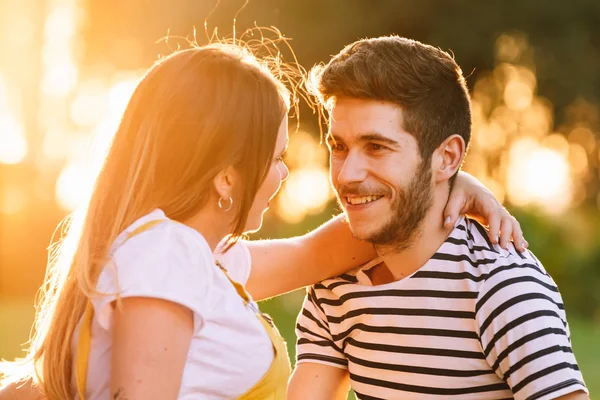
378	137
366	137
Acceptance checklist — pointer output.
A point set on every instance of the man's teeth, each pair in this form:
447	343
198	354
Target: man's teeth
362	200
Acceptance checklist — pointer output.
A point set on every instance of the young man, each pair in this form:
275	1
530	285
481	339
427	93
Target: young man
443	313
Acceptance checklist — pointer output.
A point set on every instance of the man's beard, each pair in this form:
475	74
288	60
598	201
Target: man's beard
407	212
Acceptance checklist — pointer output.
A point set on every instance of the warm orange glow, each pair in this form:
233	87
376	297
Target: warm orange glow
578	159
556	142
76	179
59	78
90	104
584	137
509	47
306	191
12	200
115	100
538	175
60	68
304	150
73	186
13	143
12	136
514	151
53	146
490	137
518	95
537	120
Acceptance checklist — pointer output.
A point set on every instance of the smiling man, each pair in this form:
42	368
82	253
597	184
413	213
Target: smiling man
442	313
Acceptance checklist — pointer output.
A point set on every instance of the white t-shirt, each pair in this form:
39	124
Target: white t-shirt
230	350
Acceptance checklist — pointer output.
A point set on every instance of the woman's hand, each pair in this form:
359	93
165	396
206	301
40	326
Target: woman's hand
469	196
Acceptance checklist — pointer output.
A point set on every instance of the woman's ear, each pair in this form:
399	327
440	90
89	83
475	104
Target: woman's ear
447	158
225	182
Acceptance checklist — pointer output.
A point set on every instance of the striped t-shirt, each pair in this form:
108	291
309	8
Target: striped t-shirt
475	322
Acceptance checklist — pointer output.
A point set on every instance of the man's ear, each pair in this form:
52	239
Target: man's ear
225	182
447	158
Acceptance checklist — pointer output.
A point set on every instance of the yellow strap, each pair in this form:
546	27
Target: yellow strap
273	384
83	349
85	331
238	286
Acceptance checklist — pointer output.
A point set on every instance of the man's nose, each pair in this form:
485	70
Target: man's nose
353	169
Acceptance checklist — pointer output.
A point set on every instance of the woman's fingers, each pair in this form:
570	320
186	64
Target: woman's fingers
494	223
509	229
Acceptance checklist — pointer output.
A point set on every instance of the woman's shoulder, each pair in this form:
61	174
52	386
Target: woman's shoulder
165	260
157	236
236	260
156	252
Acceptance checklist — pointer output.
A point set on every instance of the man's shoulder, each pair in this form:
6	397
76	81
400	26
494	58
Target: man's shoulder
469	248
346	280
513	278
476	243
350	281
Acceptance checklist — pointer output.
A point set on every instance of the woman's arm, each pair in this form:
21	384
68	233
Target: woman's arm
282	265
151	339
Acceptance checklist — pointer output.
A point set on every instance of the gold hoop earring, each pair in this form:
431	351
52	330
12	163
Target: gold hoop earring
222	206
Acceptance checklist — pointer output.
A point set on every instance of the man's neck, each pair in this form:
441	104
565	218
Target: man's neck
431	236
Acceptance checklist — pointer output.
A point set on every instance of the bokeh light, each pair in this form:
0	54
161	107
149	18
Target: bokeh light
12	136
13	142
307	190
12	200
60	67
86	157
515	150
73	186
538	175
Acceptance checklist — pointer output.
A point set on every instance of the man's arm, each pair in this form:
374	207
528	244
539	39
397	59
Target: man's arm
318	382
321	368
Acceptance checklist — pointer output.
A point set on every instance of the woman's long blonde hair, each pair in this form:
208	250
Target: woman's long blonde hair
193	113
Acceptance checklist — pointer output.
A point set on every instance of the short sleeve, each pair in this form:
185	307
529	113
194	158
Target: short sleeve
524	332
168	262
237	260
315	343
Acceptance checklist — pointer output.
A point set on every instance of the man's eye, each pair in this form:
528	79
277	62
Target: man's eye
337	147
375	147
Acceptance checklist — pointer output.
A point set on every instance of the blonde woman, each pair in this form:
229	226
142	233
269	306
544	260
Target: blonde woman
140	309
